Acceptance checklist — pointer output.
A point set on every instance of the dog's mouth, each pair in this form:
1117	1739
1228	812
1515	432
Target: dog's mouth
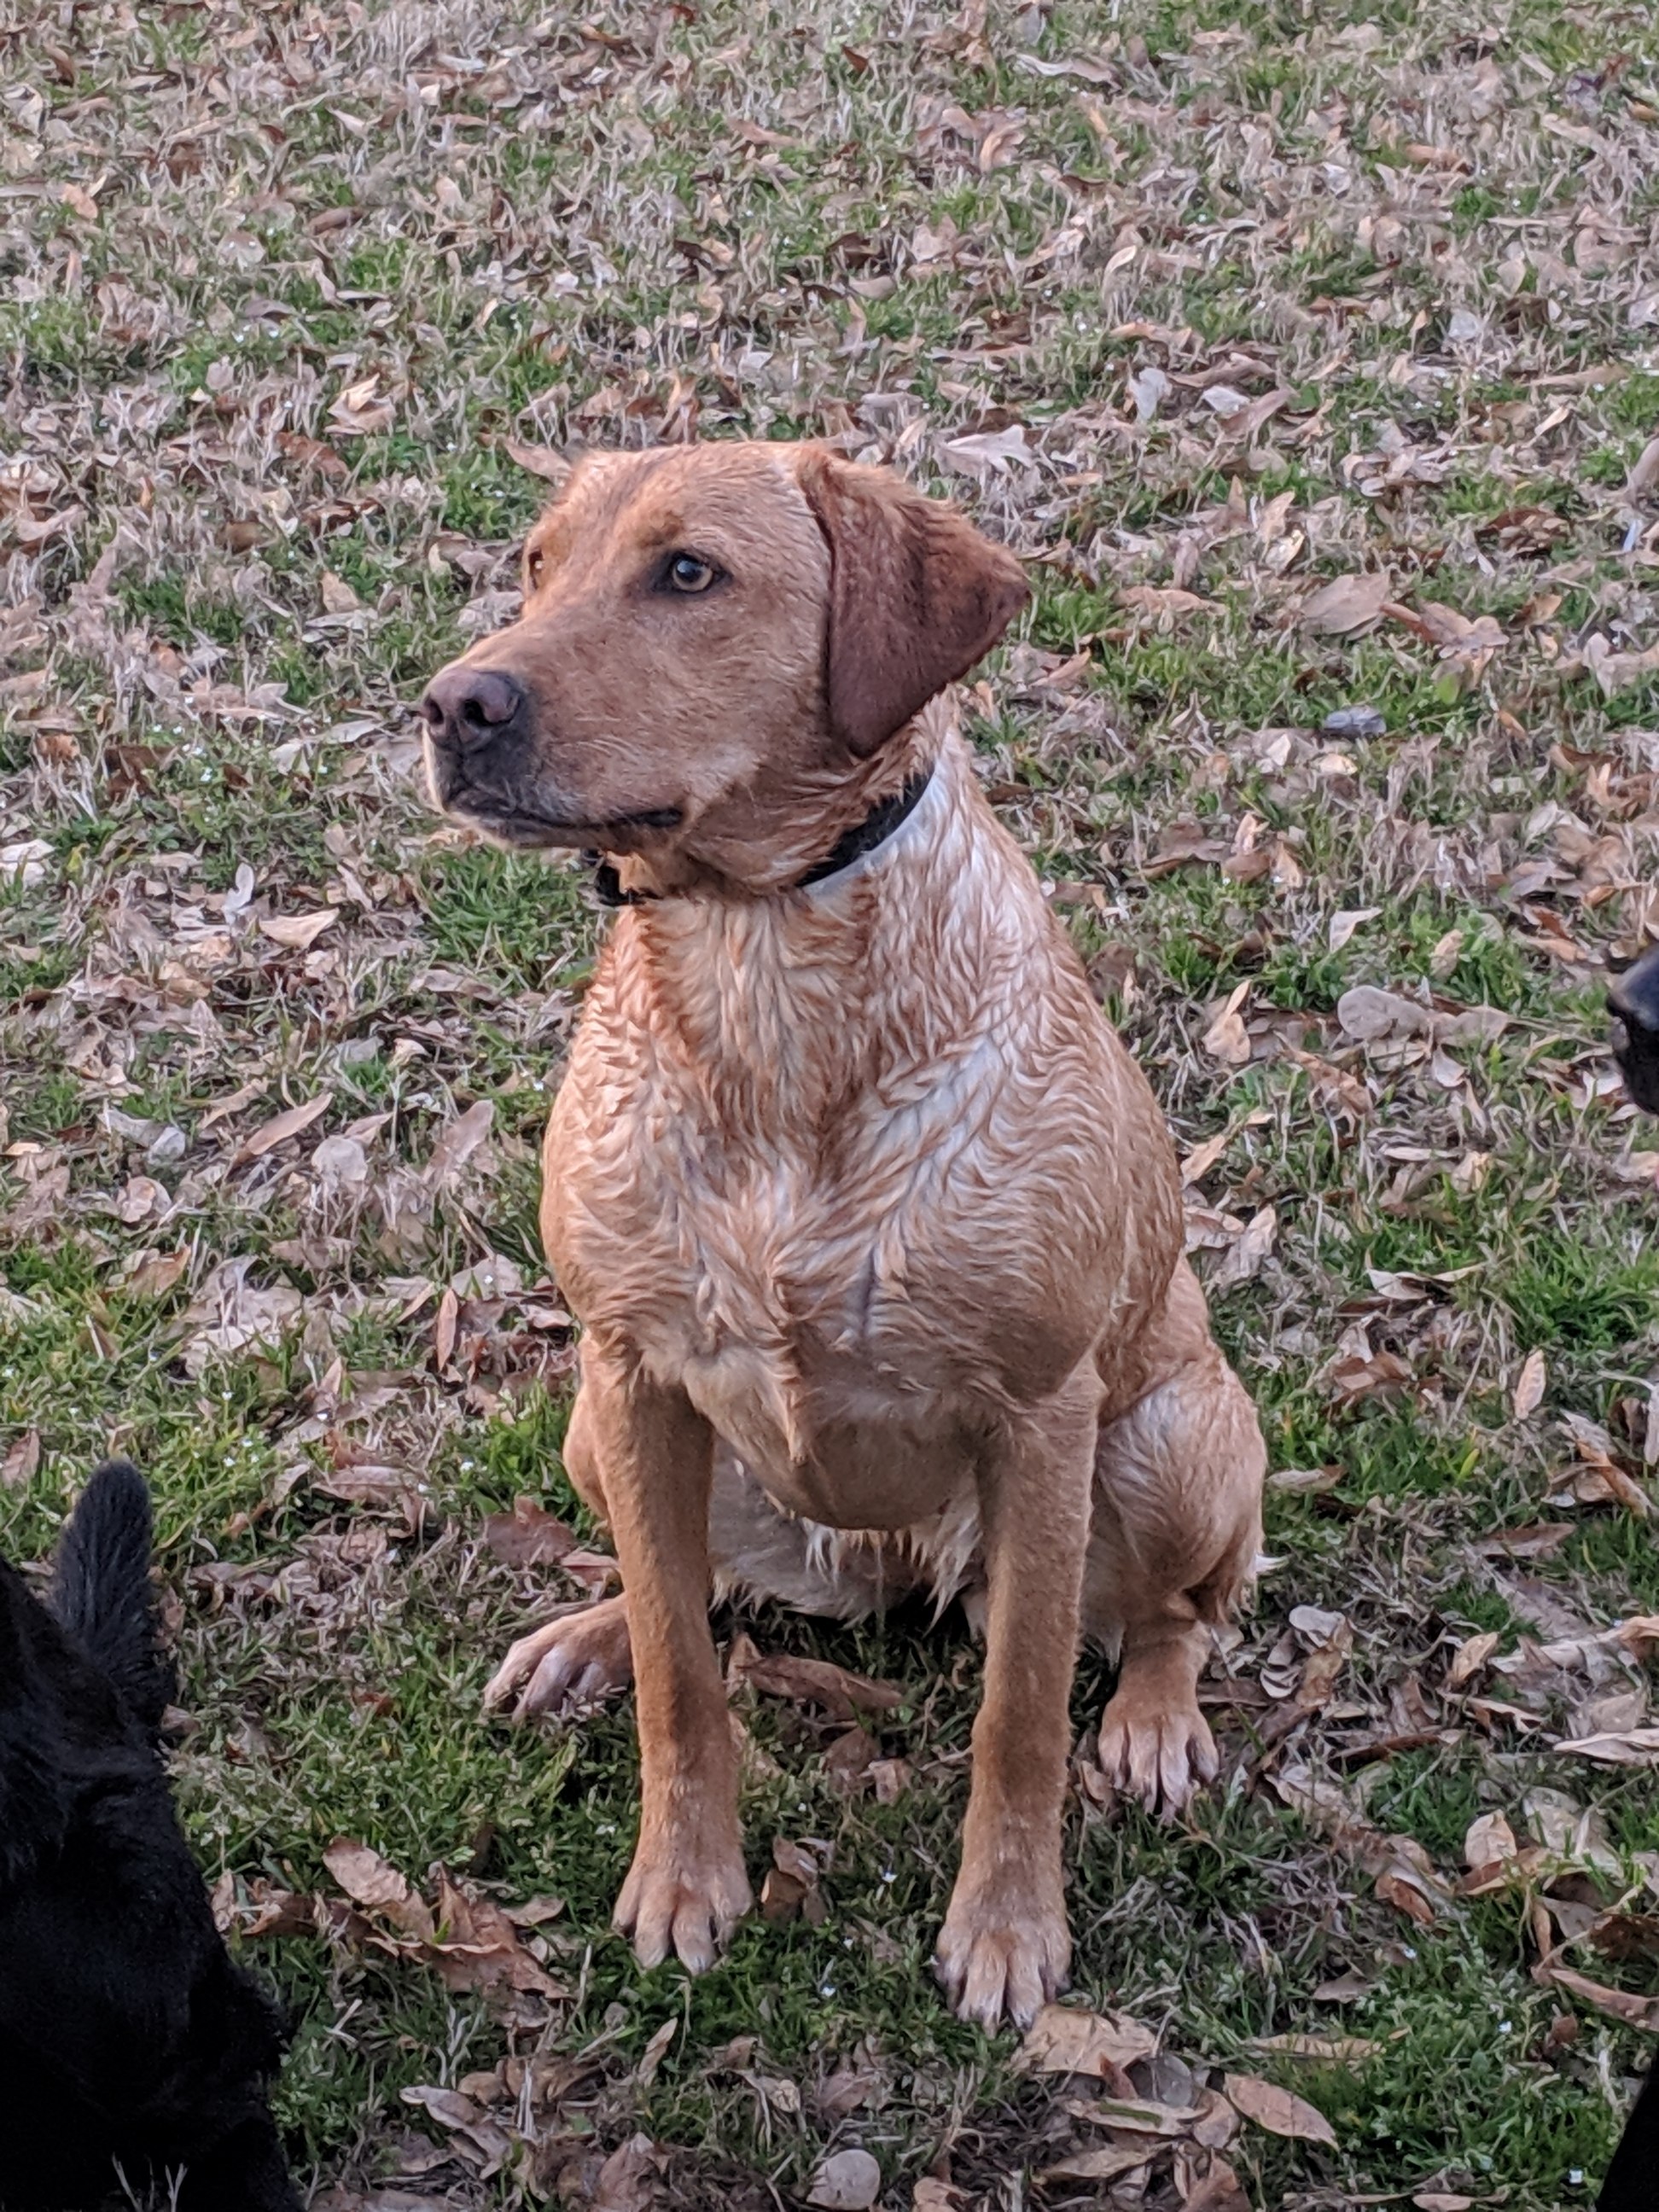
509	820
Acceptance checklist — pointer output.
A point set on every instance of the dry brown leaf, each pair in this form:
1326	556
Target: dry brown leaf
1066	2040
458	1142
479	1948
1470	1656
1529	1393
1324	2050
298	932
1490	1840
529	1536
1638	2012
932	2195
630	2179
157	1275
1636	1747
543	461
280	1127
1227	1039
371	1881
19	1466
1243	1260
1110	2163
846	2181
1277	2110
837	1690
1347	604
337	596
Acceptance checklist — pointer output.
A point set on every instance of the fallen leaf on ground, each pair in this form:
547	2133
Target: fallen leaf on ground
1624	1747
298	932
1490	1840
837	1690
1470	1656
277	1131
1277	2110
1637	2012
1324	2050
846	2181
1342	926
1529	1393
543	461
529	1536
20	1462
1346	604
1227	1039
629	2179
1066	2040
1110	2163
371	1881
1242	1261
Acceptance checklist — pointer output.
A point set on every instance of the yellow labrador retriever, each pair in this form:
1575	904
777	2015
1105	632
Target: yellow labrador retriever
872	1226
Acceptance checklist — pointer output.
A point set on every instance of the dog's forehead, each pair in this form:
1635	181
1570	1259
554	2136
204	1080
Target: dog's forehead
677	495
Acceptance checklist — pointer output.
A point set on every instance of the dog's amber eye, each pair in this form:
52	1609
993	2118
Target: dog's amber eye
535	567
686	573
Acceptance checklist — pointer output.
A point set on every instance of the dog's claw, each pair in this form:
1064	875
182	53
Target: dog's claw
1000	1959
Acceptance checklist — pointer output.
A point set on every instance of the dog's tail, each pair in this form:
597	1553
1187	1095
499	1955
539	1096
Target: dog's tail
101	1592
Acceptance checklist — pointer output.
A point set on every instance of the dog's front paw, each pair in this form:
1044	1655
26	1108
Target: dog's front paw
1002	1953
1158	1752
682	1901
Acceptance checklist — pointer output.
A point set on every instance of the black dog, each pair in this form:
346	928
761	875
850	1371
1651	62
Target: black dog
1634	998
132	2049
1633	2182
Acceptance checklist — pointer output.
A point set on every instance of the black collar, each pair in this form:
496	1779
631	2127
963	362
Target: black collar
877	827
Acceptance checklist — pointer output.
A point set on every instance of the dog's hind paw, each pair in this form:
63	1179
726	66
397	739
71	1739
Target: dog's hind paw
571	1664
1158	1753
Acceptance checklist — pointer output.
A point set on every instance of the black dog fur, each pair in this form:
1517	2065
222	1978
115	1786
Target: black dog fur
1634	1000
1633	2182
130	2045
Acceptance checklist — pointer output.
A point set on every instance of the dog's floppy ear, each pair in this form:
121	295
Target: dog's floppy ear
916	595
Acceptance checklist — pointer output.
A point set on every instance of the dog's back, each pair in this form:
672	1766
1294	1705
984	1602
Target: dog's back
126	2033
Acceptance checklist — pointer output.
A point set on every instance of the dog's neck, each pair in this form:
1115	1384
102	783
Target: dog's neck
786	1010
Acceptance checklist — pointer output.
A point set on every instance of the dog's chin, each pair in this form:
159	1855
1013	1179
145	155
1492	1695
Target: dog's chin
517	828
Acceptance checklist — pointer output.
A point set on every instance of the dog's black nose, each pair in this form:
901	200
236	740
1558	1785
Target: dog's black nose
1634	999
465	708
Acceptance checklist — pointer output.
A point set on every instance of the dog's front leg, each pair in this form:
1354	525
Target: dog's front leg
1005	1946
686	1888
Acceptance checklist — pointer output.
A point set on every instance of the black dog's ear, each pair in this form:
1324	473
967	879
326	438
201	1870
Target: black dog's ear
1634	999
34	1794
101	1592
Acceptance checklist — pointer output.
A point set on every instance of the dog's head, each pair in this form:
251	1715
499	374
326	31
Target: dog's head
1634	1000
706	630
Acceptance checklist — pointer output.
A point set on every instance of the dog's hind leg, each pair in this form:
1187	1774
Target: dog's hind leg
583	1656
1177	1525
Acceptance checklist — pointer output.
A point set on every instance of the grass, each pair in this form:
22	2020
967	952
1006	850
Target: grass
524	226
